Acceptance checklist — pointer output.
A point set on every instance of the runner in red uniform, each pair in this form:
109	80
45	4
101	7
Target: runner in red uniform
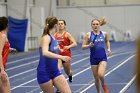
4	51
63	41
66	41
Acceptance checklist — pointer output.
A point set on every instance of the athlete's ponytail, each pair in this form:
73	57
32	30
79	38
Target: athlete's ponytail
49	24
102	21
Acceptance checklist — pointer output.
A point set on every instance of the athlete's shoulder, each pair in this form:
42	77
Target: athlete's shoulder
88	34
55	33
3	36
67	33
46	37
104	32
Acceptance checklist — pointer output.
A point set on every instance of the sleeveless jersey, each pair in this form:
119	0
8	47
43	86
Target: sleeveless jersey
47	63
5	53
98	50
63	41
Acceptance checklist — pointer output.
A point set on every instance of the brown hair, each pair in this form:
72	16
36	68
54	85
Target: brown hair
63	21
49	24
3	23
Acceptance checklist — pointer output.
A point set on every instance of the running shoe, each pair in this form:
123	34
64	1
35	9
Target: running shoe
105	88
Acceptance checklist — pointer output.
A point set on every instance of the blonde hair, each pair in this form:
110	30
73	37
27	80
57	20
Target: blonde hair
102	21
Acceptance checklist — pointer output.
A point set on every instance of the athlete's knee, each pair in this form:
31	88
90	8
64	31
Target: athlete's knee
96	78
100	75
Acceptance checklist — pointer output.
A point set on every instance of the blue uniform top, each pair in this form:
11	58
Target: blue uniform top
47	63
98	50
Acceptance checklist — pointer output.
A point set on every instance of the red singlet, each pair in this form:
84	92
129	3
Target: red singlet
63	41
5	53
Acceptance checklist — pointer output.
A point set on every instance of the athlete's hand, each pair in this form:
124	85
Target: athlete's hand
13	50
109	52
66	58
66	47
91	44
61	50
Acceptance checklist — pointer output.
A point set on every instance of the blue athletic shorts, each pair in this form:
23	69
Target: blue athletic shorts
45	76
96	61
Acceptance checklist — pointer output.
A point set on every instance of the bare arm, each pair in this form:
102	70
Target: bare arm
107	43
85	41
72	40
2	43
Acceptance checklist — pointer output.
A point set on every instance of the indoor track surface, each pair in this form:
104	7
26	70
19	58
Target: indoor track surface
120	75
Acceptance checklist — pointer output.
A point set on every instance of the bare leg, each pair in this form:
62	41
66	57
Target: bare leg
67	68
59	64
47	87
61	84
97	80
5	86
101	71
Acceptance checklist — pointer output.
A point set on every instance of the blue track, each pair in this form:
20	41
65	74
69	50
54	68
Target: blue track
21	69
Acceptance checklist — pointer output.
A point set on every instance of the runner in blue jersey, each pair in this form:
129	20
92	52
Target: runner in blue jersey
48	74
97	40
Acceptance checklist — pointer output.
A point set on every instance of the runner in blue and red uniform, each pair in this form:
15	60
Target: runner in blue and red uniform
96	41
48	74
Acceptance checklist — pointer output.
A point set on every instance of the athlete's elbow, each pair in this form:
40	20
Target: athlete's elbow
75	44
44	53
83	47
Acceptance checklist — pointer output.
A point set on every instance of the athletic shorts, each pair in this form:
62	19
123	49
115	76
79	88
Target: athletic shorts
45	76
96	61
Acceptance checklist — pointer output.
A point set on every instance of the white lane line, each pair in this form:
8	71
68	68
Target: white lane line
27	86
22	73
23	84
76	62
22	59
35	78
33	90
73	75
22	65
82	71
128	85
90	84
83	91
38	60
